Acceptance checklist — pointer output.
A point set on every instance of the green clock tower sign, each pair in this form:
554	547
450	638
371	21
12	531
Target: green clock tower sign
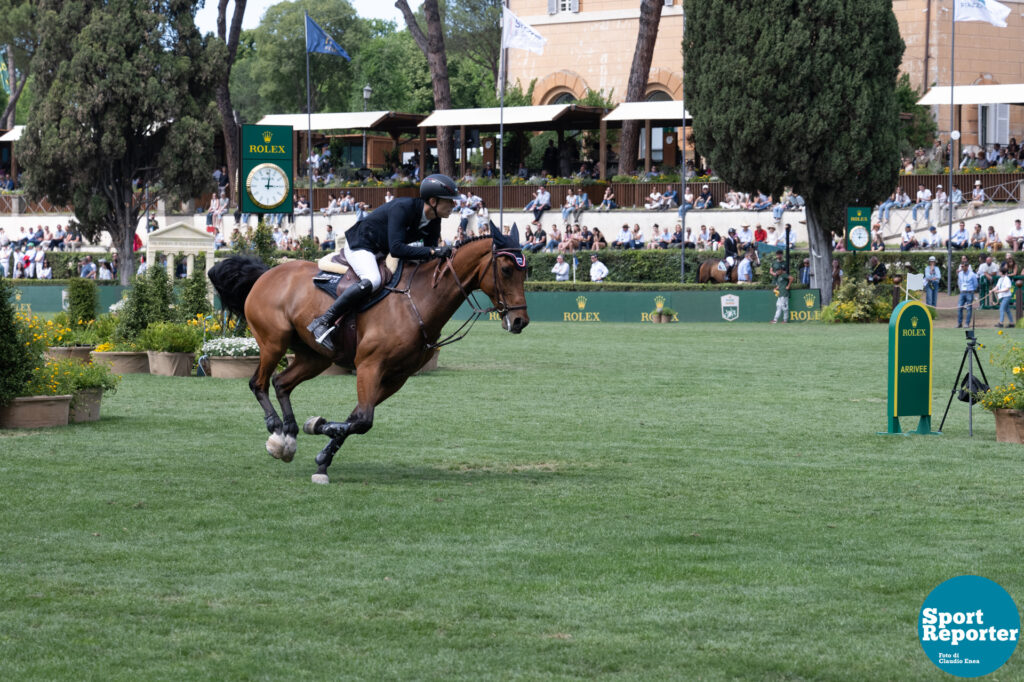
266	169
910	366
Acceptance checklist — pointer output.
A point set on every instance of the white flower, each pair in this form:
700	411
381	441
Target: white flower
236	347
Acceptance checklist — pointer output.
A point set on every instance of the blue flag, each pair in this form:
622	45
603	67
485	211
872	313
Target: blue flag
318	41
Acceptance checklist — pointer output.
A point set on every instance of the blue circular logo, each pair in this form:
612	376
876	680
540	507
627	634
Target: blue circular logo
968	626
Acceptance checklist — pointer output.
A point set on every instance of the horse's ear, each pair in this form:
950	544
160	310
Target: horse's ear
514	234
495	232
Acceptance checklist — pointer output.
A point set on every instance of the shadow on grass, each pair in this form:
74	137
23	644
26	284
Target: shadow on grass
385	473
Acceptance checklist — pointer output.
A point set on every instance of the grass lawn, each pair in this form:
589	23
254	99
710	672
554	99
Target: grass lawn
698	502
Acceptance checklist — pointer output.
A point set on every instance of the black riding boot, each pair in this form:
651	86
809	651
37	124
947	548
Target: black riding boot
323	326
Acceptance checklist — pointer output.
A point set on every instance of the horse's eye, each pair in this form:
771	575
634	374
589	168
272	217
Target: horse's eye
506	270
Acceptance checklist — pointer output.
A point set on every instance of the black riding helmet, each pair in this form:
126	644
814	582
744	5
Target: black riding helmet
438	186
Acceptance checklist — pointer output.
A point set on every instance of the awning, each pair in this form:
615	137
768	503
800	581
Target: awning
1012	93
12	135
543	117
384	121
658	113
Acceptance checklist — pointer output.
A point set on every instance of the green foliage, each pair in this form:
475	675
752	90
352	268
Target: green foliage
858	301
83	296
194	301
135	77
147	301
171	337
920	130
63	377
813	110
16	359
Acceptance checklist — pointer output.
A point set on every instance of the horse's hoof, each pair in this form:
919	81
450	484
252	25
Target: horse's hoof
290	448
312	424
276	446
321	479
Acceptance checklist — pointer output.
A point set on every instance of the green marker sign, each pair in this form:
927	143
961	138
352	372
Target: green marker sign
910	366
858	228
266	169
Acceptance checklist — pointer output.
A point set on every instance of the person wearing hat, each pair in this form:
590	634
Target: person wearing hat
704	199
940	203
977	199
932	277
732	252
392	228
931	239
782	281
745	236
908	240
772	237
598	270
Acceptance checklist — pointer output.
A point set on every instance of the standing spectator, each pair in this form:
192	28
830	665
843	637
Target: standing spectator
932	279
598	271
967	281
837	276
44	271
88	270
1004	291
104	272
805	271
561	269
745	272
783	281
5	259
940	203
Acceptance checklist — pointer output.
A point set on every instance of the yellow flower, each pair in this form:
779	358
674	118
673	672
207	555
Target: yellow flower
1000	332
1016	370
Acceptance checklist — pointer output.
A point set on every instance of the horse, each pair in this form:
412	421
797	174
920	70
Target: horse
393	338
709	272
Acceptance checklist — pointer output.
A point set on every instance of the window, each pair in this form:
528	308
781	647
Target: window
993	124
563	98
556	6
657	134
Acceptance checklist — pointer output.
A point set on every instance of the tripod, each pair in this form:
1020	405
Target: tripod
970	356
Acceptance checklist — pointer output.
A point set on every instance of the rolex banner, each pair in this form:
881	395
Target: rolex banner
5	76
266	169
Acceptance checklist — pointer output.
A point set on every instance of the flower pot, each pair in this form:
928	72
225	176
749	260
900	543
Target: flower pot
124	362
80	353
1009	426
35	412
230	367
85	406
170	364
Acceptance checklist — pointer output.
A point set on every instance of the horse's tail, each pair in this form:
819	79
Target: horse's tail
233	278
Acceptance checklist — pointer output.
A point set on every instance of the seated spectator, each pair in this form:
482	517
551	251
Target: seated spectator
733	200
608	202
653	200
931	239
704	200
669	198
714	240
977	199
622	239
599	241
745	237
1015	240
876	271
772	237
762	202
541	203
704	238
877	242
488	172
1010	263
88	269
328	243
908	240
554	238
992	241
988	271
347	203
687	202
885	208
586	239
540	240
655	242
523	173
333	206
300	206
959	239
977	238
569	205
759	234
44	271
636	237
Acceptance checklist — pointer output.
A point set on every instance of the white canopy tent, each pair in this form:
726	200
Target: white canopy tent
1012	93
12	135
328	121
671	111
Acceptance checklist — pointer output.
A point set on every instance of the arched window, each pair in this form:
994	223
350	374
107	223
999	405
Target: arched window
657	134
658	96
563	98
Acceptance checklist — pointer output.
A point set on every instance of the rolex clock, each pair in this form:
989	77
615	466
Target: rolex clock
858	224
266	162
267	185
859	237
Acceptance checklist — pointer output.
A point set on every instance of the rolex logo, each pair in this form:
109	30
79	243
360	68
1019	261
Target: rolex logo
267	136
809	300
581	302
913	321
17	294
659	303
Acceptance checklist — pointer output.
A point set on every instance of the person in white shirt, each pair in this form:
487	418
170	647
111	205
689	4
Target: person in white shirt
1015	240
44	271
598	271
745	236
5	259
924	200
1004	292
561	269
773	237
388	196
654	201
703	237
745	273
541	203
940	203
977	199
908	240
931	239
622	240
30	261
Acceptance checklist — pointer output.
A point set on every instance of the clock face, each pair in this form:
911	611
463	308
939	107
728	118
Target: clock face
267	185
859	237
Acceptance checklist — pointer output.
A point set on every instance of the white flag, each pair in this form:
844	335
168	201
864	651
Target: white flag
516	34
991	11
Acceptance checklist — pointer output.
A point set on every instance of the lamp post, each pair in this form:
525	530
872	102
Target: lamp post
367	93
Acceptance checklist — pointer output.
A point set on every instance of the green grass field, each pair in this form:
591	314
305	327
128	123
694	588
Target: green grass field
695	502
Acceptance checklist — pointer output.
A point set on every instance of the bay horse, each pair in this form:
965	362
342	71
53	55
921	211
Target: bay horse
709	272
394	338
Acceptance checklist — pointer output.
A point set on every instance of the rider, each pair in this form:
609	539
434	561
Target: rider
731	253
390	228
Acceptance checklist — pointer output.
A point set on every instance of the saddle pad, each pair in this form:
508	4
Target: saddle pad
328	282
333	262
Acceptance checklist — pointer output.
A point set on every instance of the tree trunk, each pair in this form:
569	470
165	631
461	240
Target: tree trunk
222	92
636	88
819	237
432	46
8	117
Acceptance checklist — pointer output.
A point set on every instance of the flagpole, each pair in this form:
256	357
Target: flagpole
503	56
309	132
952	122
682	172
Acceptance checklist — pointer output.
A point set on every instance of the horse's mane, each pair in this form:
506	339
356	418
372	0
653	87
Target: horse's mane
479	237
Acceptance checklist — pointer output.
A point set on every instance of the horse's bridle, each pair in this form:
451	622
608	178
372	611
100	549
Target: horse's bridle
502	308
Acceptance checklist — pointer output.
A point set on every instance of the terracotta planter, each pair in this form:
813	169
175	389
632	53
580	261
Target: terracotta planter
85	406
80	353
37	411
1009	426
124	362
170	364
229	367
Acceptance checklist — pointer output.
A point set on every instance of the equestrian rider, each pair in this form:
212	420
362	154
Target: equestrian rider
731	253
390	228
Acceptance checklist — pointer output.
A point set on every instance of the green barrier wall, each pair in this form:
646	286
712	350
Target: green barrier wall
757	305
52	299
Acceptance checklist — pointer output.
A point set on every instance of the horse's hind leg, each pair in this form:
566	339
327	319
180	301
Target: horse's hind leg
258	384
306	366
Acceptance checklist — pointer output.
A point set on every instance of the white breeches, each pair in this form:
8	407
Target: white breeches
364	263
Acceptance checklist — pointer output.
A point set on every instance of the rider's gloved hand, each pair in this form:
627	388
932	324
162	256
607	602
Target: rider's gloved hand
442	252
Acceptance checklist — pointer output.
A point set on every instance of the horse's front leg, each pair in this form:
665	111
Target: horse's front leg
258	384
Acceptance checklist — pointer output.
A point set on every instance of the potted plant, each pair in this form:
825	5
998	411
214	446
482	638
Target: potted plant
662	315
171	347
122	357
89	381
74	339
1006	400
232	357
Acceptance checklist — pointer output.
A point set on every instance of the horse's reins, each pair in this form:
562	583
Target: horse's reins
502	308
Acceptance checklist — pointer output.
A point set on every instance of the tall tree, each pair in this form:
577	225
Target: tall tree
20	39
780	95
224	50
431	44
474	32
122	108
639	72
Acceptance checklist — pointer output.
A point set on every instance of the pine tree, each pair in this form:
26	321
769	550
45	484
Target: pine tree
16	362
798	93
